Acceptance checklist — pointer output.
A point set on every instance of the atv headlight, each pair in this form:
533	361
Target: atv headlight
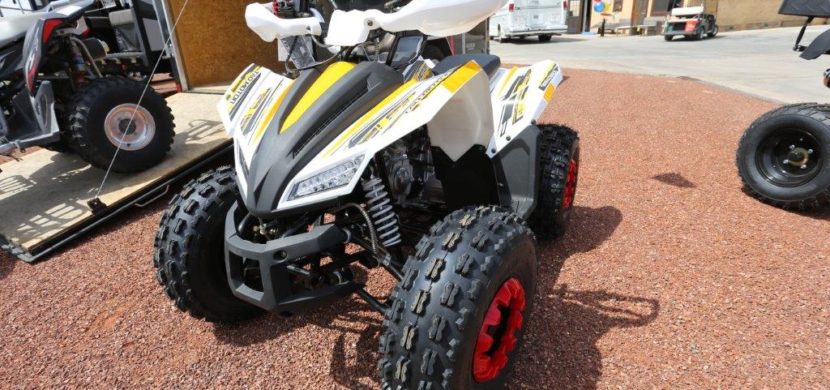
335	177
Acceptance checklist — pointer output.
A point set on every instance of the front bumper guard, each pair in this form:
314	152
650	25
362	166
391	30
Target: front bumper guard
274	257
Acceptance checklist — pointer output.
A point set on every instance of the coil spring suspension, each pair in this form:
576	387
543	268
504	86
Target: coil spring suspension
381	211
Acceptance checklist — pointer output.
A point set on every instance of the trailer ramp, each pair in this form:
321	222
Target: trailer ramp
44	197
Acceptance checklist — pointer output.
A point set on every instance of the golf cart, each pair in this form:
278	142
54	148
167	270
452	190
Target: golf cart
73	78
377	157
782	157
690	22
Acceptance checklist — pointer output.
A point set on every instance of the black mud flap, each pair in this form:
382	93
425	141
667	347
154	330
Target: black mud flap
517	172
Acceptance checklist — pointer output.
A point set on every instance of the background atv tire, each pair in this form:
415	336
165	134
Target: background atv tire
90	113
771	170
189	250
438	310
559	155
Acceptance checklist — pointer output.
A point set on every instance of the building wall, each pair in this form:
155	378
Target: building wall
731	14
215	43
752	14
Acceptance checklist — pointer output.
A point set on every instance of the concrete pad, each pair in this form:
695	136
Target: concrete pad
45	194
758	62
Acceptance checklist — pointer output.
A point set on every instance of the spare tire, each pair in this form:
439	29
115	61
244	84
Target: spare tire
783	157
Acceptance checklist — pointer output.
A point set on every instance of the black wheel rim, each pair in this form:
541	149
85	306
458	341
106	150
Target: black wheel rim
790	157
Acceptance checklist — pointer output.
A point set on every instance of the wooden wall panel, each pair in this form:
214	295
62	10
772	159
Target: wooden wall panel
215	43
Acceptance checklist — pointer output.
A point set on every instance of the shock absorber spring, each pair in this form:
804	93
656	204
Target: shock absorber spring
382	213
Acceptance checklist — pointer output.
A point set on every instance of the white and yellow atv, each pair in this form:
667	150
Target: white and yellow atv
437	173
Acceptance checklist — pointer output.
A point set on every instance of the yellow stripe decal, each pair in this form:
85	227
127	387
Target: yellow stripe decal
330	76
369	115
461	76
506	79
549	92
270	114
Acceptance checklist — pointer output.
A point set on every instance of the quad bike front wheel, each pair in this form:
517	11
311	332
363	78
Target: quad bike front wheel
782	157
456	319
189	250
559	156
106	116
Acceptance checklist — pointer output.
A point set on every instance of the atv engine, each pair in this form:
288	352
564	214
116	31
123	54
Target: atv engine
411	172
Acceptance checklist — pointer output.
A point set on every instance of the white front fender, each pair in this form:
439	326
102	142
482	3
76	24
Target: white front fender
454	106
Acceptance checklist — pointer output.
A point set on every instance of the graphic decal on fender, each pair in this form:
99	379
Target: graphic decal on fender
519	96
240	88
385	115
249	106
513	109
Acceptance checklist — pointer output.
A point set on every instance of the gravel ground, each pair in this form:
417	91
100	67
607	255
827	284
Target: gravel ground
669	277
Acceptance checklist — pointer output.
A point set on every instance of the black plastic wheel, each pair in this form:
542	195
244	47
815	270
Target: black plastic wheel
714	32
782	157
104	116
456	317
668	37
559	158
189	250
545	37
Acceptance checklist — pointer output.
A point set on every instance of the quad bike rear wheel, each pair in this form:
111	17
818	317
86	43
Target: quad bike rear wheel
782	157
457	317
105	116
559	155
189	250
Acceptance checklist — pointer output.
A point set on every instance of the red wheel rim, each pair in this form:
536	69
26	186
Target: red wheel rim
497	337
570	184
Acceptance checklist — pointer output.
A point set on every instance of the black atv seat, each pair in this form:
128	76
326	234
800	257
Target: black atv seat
488	62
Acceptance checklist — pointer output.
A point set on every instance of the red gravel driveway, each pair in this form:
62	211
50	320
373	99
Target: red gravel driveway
669	277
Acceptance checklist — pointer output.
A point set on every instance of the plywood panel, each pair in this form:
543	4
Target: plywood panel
45	193
215	43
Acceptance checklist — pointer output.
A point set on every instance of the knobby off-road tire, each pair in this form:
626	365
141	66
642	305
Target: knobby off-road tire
438	310
761	163
88	121
189	250
559	154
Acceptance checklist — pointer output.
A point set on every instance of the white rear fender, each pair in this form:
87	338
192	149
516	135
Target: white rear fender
454	106
439	18
261	19
519	97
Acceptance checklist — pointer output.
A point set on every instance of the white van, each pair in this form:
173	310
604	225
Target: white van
519	18
20	7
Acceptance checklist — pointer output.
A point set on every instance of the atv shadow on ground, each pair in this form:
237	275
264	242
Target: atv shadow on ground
576	320
566	324
7	264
